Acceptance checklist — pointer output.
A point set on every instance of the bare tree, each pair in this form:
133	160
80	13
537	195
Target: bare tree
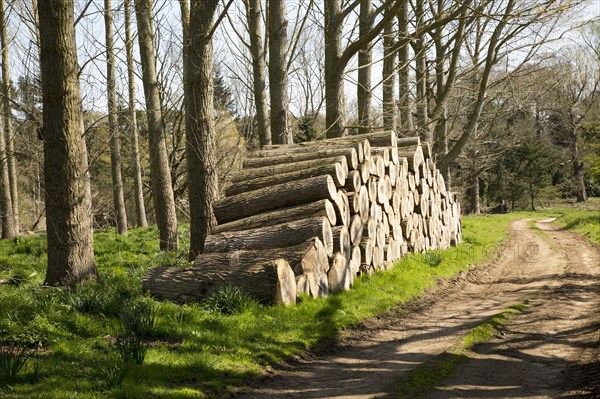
113	124
365	59
420	48
7	210
203	184
404	104
162	189
253	15
389	76
278	74
337	57
8	122
138	193
68	202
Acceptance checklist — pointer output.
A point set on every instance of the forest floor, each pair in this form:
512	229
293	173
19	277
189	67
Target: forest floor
524	325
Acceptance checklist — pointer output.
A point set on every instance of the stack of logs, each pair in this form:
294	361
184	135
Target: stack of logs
310	217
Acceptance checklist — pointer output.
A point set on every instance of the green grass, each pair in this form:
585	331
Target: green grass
426	376
194	352
583	222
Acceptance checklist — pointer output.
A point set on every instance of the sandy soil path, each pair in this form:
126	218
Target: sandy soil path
551	350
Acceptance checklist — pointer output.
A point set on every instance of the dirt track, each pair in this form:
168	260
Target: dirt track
550	350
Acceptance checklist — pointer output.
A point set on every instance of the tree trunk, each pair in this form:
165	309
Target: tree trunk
276	236
388	77
68	204
474	191
365	59
6	211
318	208
138	188
335	119
578	168
421	77
8	131
203	185
162	189
113	124
253	13
275	197
278	74
405	114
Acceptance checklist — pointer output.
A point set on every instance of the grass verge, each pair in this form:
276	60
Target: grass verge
426	376
583	222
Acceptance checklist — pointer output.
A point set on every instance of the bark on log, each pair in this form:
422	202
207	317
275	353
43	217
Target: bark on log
276	236
361	145
275	197
335	170
259	273
314	209
274	170
349	152
408	141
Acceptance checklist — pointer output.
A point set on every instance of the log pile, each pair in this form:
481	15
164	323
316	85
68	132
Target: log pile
310	217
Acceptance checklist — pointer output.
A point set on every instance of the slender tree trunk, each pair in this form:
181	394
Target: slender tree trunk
253	12
8	217
113	124
474	191
389	77
440	139
365	59
162	190
578	167
404	104
138	188
203	185
421	76
278	80
6	213
531	196
335	118
68	204
8	130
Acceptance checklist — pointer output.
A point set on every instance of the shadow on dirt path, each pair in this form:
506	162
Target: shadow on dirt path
550	350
